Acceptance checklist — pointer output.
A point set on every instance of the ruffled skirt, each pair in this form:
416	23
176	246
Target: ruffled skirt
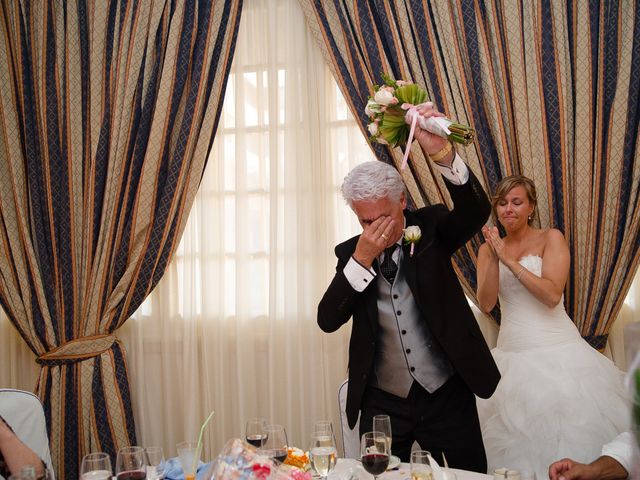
552	402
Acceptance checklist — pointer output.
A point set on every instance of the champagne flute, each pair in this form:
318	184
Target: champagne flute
255	431
374	453
275	444
382	423
96	466
421	465
323	453
131	464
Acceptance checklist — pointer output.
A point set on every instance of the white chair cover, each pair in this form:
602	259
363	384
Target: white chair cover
350	437
23	412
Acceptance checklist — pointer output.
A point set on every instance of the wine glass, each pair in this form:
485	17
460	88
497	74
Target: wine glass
156	463
421	465
275	444
323	452
374	453
382	423
96	466
254	431
131	464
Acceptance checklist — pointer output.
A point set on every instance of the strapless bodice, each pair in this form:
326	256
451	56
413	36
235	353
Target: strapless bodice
526	322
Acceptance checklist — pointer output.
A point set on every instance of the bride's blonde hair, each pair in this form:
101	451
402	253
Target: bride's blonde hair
509	183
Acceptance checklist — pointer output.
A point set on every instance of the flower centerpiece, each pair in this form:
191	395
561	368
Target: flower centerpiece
393	114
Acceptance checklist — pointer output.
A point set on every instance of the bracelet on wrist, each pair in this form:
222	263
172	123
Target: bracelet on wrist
443	152
520	273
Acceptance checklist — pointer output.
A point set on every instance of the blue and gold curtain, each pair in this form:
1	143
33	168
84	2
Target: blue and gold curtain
107	113
553	91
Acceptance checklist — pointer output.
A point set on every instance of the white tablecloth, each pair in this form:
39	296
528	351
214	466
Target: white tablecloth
347	468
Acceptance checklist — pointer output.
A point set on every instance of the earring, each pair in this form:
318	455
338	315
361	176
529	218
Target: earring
529	217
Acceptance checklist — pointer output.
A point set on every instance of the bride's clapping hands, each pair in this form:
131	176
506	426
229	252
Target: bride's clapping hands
495	243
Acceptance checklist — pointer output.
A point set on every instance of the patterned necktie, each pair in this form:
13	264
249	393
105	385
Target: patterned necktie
388	267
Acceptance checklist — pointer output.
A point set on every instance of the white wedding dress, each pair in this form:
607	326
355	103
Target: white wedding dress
558	397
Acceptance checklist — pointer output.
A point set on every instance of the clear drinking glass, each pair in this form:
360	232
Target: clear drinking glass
421	465
156	463
374	453
189	455
96	466
382	423
323	452
255	431
131	464
275	444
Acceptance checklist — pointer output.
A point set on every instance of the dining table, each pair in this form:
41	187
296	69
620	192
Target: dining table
351	469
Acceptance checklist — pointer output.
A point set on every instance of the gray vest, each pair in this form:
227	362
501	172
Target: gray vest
405	348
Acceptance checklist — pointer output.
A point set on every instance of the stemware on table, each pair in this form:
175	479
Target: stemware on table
421	465
323	451
382	423
156	463
374	452
96	466
189	454
255	431
131	464
275	444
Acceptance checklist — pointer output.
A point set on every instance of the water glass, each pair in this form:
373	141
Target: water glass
96	466
323	452
189	454
421	465
131	464
156	463
323	426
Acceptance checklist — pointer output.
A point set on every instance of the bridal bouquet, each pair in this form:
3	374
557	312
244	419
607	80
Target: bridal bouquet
393	114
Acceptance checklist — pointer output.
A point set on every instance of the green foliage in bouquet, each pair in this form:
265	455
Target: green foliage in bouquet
387	116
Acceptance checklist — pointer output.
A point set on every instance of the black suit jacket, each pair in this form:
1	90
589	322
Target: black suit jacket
435	287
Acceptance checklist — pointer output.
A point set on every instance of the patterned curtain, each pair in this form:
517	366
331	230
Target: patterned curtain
553	91
107	113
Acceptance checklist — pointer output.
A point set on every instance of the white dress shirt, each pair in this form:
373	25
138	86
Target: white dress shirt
621	450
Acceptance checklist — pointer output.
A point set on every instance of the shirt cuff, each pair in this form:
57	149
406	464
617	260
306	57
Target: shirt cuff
620	449
457	173
358	276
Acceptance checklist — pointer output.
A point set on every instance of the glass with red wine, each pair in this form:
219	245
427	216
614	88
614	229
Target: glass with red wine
131	464
374	453
255	432
275	444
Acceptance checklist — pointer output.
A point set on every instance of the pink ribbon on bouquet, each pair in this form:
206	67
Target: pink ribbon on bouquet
410	108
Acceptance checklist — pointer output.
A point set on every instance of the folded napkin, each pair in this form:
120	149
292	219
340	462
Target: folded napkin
173	469
440	473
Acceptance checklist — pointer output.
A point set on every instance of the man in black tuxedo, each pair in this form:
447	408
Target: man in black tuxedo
416	352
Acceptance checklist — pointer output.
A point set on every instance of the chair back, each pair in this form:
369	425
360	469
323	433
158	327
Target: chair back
350	437
23	412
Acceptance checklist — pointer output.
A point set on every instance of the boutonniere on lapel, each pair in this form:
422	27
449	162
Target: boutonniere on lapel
412	235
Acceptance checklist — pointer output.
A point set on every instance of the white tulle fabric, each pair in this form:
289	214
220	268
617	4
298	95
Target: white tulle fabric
558	397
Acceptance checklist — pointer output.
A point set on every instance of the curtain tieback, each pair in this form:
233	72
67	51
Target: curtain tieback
77	350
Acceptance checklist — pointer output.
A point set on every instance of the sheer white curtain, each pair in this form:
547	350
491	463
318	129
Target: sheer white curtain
232	326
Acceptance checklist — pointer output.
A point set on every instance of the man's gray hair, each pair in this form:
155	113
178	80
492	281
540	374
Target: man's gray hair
372	181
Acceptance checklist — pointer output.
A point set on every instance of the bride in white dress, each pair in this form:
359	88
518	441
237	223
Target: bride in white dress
558	397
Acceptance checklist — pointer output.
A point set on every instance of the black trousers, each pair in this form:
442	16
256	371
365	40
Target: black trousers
445	421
